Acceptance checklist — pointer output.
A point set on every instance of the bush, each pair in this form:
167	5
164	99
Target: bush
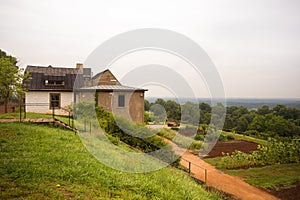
140	137
276	152
199	136
195	146
229	137
167	133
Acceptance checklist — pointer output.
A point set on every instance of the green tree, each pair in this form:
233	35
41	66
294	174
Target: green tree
160	101
147	105
190	113
10	78
258	123
242	124
264	110
173	110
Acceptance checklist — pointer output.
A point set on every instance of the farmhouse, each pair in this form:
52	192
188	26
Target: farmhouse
53	88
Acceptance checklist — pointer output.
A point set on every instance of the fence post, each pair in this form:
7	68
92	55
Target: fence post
73	120
24	111
90	127
52	111
205	175
20	112
69	118
189	167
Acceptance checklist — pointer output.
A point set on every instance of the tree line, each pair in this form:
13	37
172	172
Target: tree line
264	122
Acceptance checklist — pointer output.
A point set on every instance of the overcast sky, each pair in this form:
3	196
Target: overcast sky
254	44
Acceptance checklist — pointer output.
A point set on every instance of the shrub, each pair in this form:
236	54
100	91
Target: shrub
229	137
140	137
195	146
276	152
199	136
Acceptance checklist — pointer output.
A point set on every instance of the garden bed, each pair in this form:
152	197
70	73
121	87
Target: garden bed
231	146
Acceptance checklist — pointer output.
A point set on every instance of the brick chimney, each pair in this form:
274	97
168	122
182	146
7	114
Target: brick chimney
79	66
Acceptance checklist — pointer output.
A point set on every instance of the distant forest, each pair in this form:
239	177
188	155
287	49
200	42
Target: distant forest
250	103
277	121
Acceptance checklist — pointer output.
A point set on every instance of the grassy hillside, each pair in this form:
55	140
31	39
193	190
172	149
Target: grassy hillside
43	162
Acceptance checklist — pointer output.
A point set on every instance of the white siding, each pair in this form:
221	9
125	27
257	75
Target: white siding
38	101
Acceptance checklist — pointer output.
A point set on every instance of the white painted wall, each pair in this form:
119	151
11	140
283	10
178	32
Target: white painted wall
38	101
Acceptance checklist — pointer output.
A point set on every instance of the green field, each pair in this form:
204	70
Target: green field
43	162
273	177
245	137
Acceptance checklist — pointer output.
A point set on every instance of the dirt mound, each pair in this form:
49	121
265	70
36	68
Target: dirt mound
231	146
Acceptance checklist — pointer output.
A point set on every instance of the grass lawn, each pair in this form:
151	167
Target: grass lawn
214	161
273	177
44	162
16	115
245	137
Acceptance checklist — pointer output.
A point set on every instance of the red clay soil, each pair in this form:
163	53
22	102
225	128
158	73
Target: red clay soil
231	146
288	194
217	179
245	146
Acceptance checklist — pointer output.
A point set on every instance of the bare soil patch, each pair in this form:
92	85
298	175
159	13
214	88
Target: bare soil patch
288	194
231	146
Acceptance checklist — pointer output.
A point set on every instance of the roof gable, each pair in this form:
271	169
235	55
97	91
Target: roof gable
105	78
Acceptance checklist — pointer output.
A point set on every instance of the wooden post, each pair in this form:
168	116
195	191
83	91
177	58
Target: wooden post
52	111
189	167
90	127
69	118
24	111
205	175
72	121
20	112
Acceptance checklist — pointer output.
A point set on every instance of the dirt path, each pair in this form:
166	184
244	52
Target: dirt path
221	181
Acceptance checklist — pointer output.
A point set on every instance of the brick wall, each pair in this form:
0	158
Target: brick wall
10	108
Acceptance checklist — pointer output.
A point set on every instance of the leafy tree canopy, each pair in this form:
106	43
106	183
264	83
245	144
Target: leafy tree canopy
11	78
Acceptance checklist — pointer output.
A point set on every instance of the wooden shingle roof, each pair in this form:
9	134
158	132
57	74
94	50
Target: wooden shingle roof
53	78
51	71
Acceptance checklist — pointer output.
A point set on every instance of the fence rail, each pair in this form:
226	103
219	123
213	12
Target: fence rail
69	114
190	164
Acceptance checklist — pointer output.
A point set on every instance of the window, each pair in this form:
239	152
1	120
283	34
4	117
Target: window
54	100
54	83
121	100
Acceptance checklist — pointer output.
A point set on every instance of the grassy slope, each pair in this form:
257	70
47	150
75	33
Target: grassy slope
244	137
16	115
270	177
34	159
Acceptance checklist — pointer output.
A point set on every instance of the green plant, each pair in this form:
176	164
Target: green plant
43	162
276	152
199	136
272	177
135	135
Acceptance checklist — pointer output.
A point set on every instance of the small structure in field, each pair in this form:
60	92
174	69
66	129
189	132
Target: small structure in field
52	88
